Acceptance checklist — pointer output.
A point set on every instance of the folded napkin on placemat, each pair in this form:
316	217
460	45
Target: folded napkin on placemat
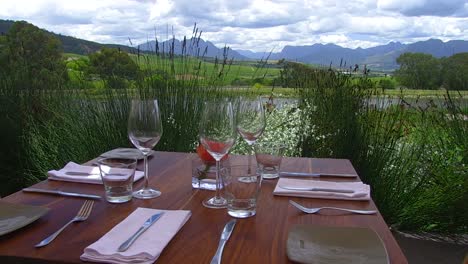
360	190
147	247
81	173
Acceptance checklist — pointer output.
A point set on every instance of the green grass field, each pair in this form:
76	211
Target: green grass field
240	74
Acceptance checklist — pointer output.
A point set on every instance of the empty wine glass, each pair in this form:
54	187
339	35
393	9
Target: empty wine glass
145	130
250	121
217	135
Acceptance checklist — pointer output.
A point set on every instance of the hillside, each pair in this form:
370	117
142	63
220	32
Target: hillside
71	44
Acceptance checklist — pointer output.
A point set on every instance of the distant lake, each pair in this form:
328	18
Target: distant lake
383	103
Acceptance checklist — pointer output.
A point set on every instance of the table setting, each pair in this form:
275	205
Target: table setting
172	217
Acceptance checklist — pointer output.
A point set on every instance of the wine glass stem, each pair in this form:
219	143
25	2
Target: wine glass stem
252	152
218	180
145	162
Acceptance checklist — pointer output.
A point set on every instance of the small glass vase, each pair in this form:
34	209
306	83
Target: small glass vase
204	173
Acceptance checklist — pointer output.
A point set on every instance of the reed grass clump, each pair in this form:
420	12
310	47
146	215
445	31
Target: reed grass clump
413	156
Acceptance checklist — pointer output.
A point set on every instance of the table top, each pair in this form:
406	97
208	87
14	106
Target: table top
258	239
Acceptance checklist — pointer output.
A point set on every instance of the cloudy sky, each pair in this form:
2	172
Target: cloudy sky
258	25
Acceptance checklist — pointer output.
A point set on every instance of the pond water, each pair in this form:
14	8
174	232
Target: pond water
383	103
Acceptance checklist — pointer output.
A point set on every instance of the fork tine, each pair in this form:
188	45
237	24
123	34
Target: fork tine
86	208
89	208
83	206
298	206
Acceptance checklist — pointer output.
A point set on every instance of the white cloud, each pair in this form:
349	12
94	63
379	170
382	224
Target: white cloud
423	7
260	25
160	8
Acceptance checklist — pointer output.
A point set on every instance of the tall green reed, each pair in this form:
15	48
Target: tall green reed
45	129
414	158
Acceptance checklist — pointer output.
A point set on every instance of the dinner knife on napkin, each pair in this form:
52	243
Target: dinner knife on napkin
225	235
125	245
316	189
316	174
57	192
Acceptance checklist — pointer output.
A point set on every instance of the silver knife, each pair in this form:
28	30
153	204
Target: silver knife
79	173
316	189
125	245
57	192
311	174
224	238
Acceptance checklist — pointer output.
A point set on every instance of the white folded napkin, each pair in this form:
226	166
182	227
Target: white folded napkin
92	171
361	190
147	247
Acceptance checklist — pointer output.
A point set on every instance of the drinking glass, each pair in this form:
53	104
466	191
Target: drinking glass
250	121
242	195
145	130
269	155
217	135
117	176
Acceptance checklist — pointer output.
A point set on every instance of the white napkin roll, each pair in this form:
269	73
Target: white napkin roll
147	247
361	190
93	176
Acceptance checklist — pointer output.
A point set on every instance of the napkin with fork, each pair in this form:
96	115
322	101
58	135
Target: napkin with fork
358	190
147	247
82	173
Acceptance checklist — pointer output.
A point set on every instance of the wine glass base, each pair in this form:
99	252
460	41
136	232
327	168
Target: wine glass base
146	194
215	203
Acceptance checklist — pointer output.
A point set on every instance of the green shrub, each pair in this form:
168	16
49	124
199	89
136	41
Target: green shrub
386	84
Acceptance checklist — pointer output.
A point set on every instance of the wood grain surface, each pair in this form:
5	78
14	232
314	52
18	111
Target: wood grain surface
258	239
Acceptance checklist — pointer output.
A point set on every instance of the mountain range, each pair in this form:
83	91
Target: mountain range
195	46
378	58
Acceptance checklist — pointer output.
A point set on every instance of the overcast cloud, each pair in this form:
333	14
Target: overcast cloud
257	25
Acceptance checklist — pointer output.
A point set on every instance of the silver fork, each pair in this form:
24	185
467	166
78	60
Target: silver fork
82	215
315	210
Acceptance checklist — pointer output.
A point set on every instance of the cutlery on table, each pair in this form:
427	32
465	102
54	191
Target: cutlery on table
57	192
80	173
227	231
315	210
312	174
125	245
315	189
82	215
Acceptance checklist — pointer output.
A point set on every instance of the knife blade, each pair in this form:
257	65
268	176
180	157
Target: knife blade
225	235
79	173
57	192
312	174
316	189
125	245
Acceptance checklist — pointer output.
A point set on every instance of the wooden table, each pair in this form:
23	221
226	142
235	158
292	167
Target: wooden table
258	239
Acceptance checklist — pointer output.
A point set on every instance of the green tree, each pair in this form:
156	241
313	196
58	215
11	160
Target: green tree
3	55
386	84
113	66
295	74
455	71
418	71
33	57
